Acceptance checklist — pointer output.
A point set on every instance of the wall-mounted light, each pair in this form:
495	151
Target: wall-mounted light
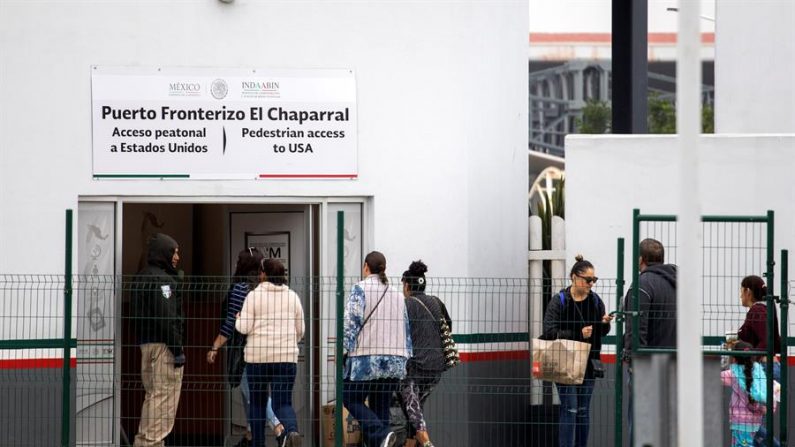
708	18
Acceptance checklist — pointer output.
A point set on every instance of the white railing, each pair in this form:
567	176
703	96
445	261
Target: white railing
536	256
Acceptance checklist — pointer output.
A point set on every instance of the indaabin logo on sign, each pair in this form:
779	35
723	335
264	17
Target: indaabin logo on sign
260	89
219	89
184	88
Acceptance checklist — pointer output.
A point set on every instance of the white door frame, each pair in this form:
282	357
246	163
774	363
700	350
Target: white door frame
119	201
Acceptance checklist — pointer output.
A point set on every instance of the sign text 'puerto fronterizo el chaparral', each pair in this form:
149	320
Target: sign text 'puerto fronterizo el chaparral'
223	124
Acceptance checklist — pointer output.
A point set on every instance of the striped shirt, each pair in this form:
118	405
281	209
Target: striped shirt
235	299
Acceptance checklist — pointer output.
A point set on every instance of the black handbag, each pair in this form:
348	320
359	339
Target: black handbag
598	368
451	357
235	360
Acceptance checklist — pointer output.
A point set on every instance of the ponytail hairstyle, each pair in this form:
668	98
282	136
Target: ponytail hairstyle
414	277
376	262
274	271
747	363
756	285
248	267
580	266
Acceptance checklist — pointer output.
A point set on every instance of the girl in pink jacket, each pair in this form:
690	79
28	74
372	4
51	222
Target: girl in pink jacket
747	379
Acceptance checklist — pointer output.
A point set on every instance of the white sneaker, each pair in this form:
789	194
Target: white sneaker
390	439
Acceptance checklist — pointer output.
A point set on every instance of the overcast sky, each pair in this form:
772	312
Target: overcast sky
593	16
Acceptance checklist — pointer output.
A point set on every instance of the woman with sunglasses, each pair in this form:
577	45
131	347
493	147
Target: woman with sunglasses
577	313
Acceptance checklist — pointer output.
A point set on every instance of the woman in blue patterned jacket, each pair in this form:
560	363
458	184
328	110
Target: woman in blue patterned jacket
377	342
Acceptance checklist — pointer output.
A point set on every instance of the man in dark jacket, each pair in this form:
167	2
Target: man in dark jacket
159	327
656	307
656	300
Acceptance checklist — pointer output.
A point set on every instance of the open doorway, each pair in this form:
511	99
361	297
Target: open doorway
209	237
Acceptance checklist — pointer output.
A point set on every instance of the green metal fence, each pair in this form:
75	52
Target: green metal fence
64	382
733	247
488	397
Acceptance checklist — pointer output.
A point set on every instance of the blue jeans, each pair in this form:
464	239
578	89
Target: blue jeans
574	422
270	416
760	438
374	419
281	378
630	415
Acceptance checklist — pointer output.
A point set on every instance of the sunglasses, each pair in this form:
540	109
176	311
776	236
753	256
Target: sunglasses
588	279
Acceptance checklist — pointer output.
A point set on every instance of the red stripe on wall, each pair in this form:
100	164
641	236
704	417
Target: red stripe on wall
606	38
512	355
608	358
494	355
308	175
35	363
465	357
611	358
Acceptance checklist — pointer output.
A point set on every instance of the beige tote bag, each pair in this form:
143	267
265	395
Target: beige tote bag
560	361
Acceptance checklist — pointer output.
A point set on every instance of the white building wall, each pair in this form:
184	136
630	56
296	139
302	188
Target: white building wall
442	115
755	66
607	177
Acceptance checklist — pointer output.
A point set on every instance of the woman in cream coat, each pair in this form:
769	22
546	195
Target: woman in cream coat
273	320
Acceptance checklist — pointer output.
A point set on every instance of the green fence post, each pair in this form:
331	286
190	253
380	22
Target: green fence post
635	276
619	381
784	334
66	386
770	325
339	431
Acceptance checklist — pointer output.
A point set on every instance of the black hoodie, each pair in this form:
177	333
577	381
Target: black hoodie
156	303
657	306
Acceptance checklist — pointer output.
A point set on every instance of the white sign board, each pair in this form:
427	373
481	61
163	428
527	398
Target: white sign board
223	124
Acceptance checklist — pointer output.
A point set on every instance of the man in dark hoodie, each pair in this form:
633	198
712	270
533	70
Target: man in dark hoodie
159	327
656	305
656	300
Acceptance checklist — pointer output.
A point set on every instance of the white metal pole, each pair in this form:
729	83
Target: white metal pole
536	297
690	412
558	244
536	269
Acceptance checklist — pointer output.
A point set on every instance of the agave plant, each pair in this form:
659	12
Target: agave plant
551	204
